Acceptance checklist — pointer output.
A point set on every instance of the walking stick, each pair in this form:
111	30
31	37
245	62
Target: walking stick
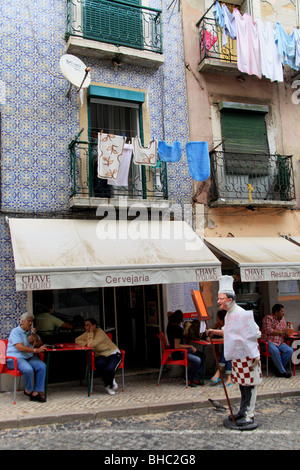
221	376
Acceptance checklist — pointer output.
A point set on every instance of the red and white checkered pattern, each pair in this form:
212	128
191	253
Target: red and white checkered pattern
243	372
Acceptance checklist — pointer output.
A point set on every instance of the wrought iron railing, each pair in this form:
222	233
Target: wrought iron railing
251	177
115	22
211	40
143	182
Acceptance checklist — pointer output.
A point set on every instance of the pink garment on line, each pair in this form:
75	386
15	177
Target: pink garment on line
247	44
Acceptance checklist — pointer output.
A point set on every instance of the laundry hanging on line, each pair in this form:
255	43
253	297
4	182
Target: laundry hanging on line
114	157
125	160
144	155
247	44
287	45
198	160
271	66
169	153
229	28
110	149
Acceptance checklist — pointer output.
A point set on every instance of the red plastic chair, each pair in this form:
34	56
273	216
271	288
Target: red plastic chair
3	367
121	366
166	358
266	354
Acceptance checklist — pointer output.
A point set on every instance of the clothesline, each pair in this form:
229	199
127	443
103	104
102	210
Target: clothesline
114	157
262	49
122	131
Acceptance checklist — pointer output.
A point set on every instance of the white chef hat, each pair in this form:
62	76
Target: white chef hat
226	285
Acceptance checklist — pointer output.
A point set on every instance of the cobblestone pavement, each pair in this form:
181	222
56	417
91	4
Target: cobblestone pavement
69	401
185	430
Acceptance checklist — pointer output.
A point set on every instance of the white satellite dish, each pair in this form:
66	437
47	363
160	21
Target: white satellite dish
75	71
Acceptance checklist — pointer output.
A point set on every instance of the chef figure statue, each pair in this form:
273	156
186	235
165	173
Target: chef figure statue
241	348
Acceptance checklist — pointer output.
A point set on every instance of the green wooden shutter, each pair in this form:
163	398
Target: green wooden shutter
113	22
244	131
245	140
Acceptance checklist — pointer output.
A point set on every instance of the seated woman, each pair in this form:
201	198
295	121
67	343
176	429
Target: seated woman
107	355
23	343
175	336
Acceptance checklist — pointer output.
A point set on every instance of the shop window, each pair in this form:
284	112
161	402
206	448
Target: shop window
289	287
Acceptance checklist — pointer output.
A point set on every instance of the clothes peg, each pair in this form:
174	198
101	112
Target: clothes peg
250	189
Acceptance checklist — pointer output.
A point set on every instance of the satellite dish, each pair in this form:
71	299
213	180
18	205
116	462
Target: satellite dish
75	71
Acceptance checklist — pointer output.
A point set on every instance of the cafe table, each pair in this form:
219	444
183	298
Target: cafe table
292	340
204	344
60	349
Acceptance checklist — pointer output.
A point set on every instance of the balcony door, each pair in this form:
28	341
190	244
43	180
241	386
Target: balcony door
119	118
246	153
114	22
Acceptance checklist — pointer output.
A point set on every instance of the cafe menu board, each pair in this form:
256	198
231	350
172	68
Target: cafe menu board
179	298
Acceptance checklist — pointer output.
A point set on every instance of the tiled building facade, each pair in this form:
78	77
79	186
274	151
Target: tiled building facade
38	120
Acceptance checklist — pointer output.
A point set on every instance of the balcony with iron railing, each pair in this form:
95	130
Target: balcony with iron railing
146	184
252	179
112	29
213	54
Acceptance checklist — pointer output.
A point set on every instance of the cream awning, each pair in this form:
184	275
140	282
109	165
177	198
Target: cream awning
68	253
260	258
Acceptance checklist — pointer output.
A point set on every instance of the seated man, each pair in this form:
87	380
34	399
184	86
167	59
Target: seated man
107	355
46	322
175	337
23	343
274	331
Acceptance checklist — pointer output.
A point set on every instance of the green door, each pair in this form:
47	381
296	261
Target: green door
245	140
113	22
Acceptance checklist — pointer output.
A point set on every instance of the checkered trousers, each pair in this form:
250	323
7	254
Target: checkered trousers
243	372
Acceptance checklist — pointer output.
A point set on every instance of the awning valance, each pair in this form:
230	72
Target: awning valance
68	253
260	258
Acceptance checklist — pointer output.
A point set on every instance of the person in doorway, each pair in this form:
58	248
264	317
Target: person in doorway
222	363
274	331
175	337
24	343
107	355
46	322
241	347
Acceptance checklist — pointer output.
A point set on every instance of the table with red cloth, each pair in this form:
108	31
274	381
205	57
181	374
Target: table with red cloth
204	344
61	348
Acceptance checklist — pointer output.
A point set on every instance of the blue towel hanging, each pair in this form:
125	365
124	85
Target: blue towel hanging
198	160
169	153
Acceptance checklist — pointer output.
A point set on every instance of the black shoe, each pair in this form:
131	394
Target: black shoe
236	417
27	394
38	398
287	375
244	421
